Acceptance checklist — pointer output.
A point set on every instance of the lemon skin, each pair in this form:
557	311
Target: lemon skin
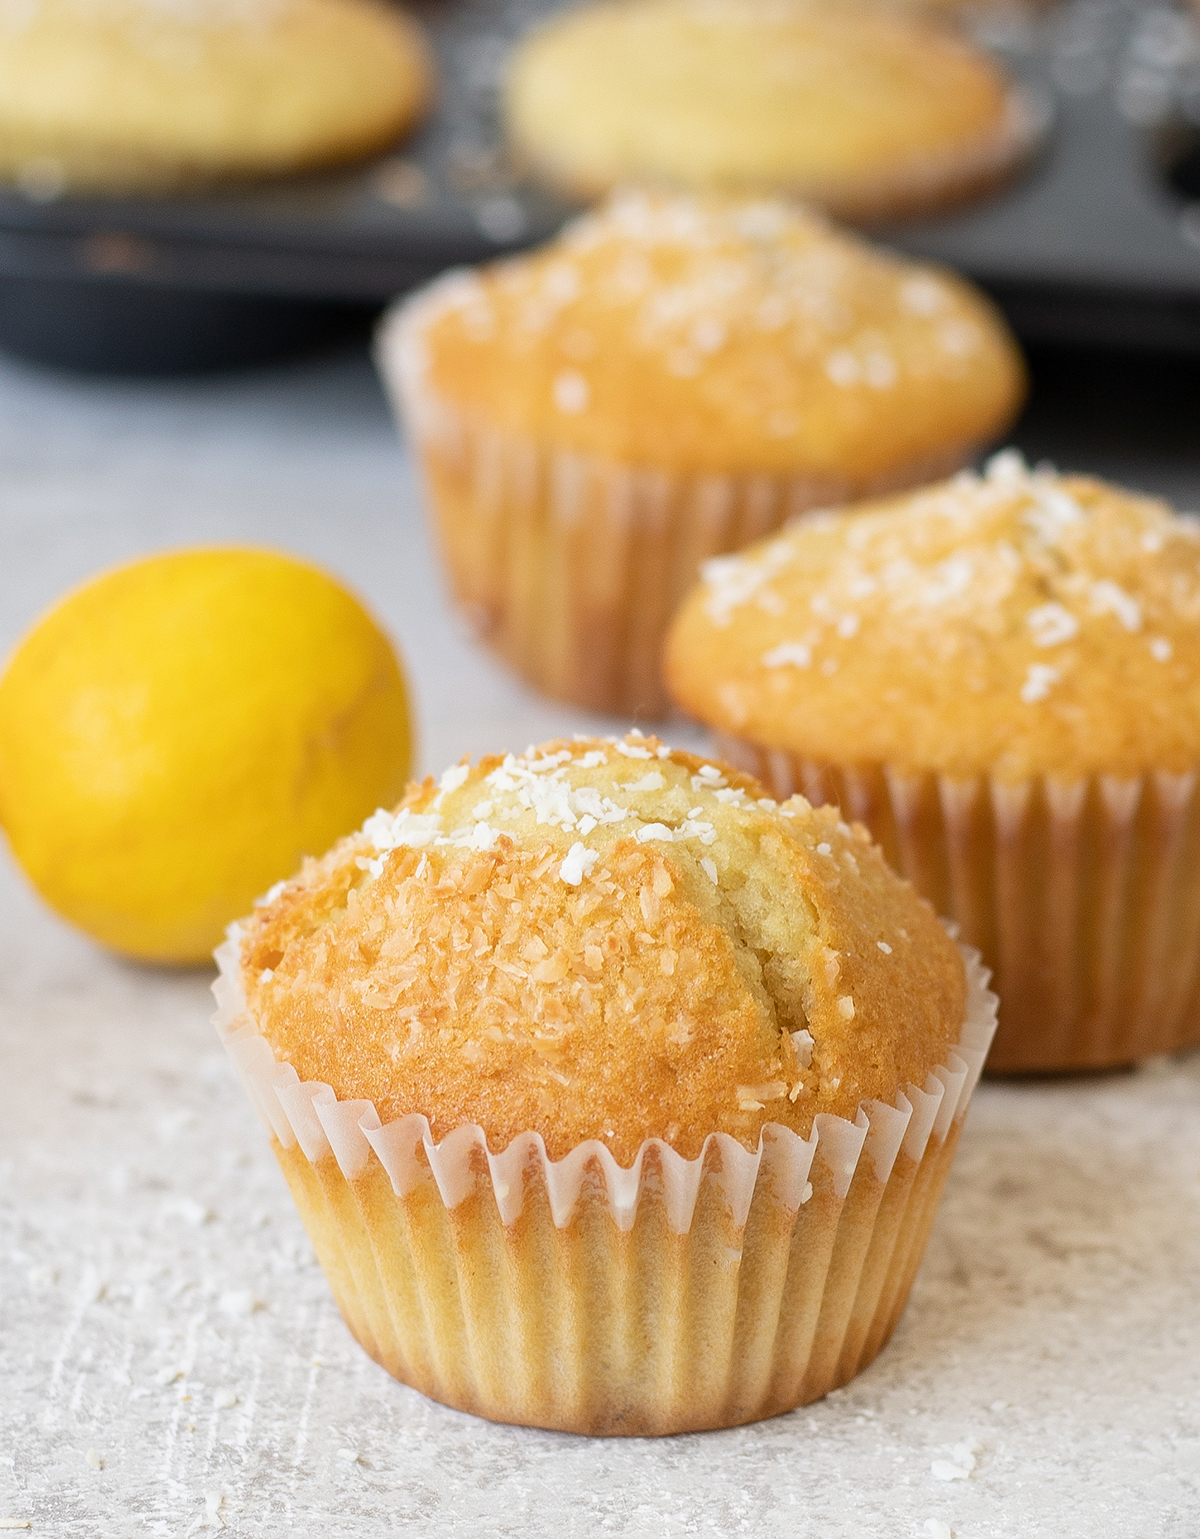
177	734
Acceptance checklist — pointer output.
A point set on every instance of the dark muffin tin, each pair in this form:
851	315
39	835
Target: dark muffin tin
1098	242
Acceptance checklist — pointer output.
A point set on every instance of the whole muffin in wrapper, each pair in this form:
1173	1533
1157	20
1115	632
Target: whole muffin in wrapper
669	379
1000	676
615	1096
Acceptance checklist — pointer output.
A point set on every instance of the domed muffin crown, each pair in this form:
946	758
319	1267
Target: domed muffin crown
1016	623
711	334
604	939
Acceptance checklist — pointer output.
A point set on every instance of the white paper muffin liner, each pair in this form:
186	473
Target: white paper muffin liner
1083	896
568	565
576	1294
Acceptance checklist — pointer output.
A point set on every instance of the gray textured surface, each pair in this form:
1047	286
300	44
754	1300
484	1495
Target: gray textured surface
169	1360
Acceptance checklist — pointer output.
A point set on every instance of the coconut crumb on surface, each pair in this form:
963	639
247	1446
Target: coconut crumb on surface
623	954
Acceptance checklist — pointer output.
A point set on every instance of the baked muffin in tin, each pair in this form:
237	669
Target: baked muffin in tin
135	96
866	111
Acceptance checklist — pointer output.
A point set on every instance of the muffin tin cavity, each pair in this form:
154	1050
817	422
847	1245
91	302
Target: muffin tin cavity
1097	241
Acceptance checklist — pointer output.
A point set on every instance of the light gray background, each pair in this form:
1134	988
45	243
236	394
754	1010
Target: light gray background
170	1362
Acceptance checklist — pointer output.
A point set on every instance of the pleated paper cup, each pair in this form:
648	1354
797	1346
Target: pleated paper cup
1083	896
578	1295
570	566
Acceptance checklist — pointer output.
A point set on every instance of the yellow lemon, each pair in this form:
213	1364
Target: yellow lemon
177	734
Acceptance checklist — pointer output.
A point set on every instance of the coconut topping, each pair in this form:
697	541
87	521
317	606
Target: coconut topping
605	953
1006	614
659	325
1019	525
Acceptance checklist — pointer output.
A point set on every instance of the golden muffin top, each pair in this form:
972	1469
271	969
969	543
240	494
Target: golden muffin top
604	939
697	334
1018	623
864	111
144	95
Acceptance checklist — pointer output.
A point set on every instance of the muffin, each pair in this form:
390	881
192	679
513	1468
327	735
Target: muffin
867	112
616	1097
671	378
137	96
1000	676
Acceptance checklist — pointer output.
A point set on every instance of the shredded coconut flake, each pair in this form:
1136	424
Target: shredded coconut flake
754	1097
1051	512
388	831
1007	468
577	863
454	777
803	1042
948	580
651	782
1110	598
709	867
788	653
1051	624
1039	679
